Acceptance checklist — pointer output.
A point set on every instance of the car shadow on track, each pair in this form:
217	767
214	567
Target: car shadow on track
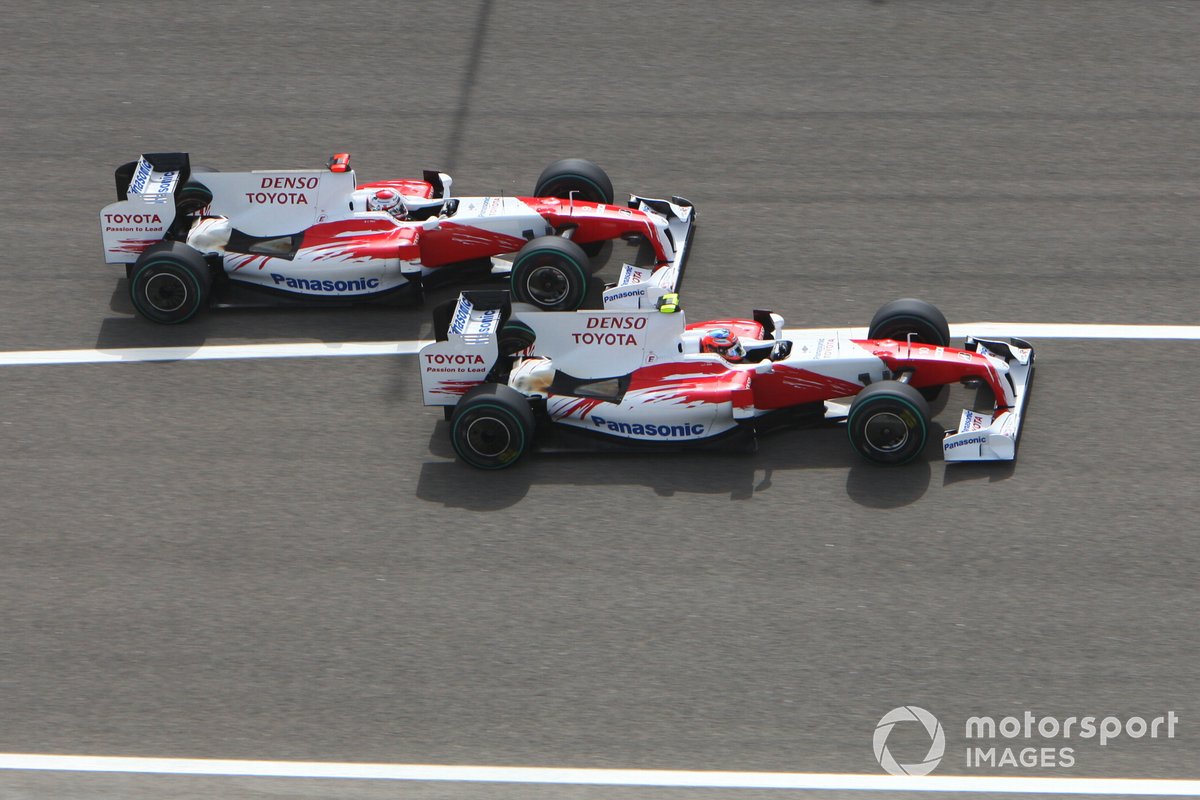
256	318
256	322
741	477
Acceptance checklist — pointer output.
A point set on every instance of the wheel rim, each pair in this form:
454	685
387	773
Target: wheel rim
166	293
548	285
488	437
885	432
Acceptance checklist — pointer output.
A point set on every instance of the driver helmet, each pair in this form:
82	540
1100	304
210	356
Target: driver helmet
386	200
724	343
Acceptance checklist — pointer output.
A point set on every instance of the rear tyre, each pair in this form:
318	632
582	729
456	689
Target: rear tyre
442	314
492	426
888	423
170	283
551	273
899	318
587	180
192	197
514	337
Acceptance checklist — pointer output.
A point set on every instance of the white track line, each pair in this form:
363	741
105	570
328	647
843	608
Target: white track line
205	352
1145	787
208	352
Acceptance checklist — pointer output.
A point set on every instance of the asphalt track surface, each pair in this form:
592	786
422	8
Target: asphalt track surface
281	559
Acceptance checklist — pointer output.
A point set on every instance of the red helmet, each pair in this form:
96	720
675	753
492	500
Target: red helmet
723	342
386	200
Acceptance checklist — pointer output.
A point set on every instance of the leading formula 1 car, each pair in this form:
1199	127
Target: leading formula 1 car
185	233
646	379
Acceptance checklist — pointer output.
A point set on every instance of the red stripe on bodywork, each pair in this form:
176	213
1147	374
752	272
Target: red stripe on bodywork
786	386
935	366
358	240
450	242
454	388
687	383
133	246
577	406
597	222
239	260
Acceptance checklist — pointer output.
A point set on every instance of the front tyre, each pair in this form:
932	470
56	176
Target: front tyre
551	273
492	426
899	318
923	321
170	283
888	423
587	180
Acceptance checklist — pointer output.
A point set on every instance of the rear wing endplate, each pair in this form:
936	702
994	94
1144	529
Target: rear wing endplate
145	206
450	367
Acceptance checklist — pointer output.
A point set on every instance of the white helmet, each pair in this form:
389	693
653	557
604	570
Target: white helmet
386	200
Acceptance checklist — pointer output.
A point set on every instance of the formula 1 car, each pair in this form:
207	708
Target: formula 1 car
188	233
642	379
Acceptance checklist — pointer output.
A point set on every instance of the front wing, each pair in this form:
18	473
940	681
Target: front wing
994	437
641	287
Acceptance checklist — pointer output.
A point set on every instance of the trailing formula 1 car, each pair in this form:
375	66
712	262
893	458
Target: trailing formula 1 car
645	379
186	234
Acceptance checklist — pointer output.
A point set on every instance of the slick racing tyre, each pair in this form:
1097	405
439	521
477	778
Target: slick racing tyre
193	196
551	273
582	177
577	175
888	423
514	337
169	283
442	313
897	319
492	426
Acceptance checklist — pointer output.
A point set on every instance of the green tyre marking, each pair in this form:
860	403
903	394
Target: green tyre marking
583	275
903	401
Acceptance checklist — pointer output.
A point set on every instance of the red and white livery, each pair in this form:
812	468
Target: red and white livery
186	233
644	378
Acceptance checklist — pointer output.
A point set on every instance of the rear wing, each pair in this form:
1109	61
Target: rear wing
994	437
145	206
453	365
